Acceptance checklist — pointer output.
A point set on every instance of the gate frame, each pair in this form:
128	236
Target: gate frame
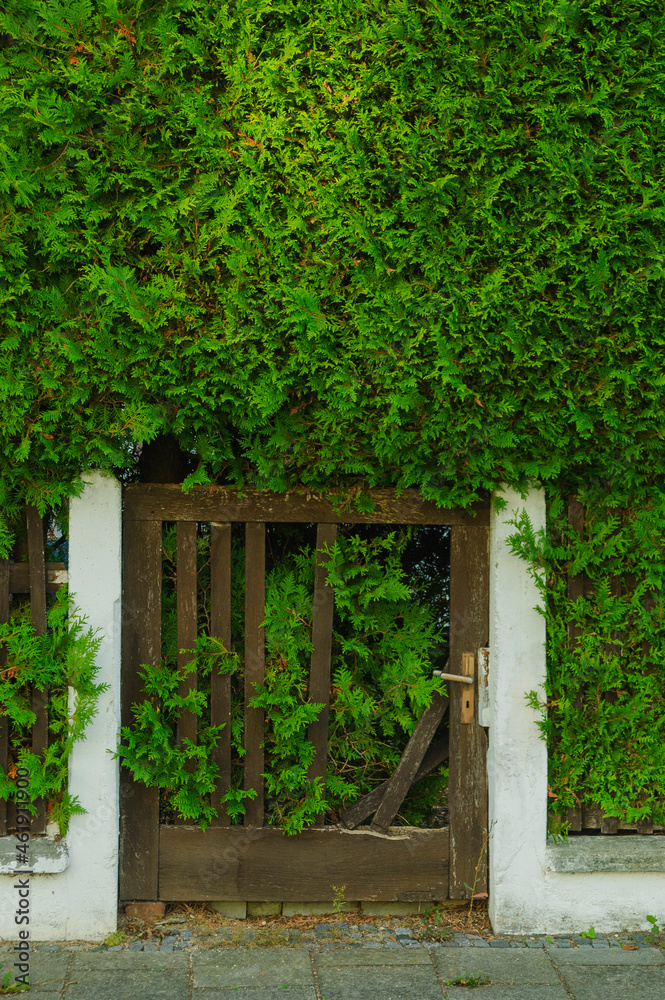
150	852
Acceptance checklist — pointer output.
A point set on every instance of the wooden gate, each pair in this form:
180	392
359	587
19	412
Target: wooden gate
252	862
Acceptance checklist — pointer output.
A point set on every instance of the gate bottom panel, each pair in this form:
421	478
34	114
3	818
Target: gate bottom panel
254	864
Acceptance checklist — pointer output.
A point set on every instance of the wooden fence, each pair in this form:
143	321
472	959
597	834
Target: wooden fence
250	862
37	578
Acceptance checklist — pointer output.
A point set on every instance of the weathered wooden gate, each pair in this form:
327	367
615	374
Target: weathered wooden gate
252	862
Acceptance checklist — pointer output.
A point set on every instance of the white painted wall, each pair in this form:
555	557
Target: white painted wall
80	903
526	894
517	757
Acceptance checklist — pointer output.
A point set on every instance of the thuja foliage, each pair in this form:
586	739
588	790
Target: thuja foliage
63	662
398	241
342	242
603	714
381	681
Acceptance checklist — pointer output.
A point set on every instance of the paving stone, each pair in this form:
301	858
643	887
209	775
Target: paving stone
403	932
603	982
480	943
499	944
115	947
150	946
269	993
168	939
385	983
506	967
48	971
186	934
607	956
254	967
371	957
136	946
128	984
502	992
126	960
600	944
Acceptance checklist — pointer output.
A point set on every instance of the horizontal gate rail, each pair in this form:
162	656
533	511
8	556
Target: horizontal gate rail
243	864
169	503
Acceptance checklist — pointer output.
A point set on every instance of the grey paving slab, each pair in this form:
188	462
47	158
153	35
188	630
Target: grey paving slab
48	971
606	983
112	984
607	956
504	992
271	993
388	983
365	956
503	966
255	967
139	961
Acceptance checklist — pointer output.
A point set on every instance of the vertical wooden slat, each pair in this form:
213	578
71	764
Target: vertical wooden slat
141	643
319	677
575	584
4	723
186	609
575	590
38	620
255	589
220	684
467	790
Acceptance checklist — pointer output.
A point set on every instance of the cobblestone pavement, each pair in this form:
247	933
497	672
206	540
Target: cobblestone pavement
339	961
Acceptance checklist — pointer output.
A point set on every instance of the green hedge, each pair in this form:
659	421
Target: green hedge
412	243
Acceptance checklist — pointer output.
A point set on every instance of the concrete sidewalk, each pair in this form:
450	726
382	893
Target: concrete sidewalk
391	971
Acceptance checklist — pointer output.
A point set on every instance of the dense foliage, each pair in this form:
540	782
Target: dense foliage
345	241
62	662
604	714
384	636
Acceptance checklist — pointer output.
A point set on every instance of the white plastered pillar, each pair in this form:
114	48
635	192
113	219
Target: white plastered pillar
517	756
74	888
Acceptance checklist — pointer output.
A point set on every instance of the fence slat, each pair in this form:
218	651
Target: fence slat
364	807
38	620
4	723
319	677
402	777
147	501
220	684
141	643
255	591
186	609
467	789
